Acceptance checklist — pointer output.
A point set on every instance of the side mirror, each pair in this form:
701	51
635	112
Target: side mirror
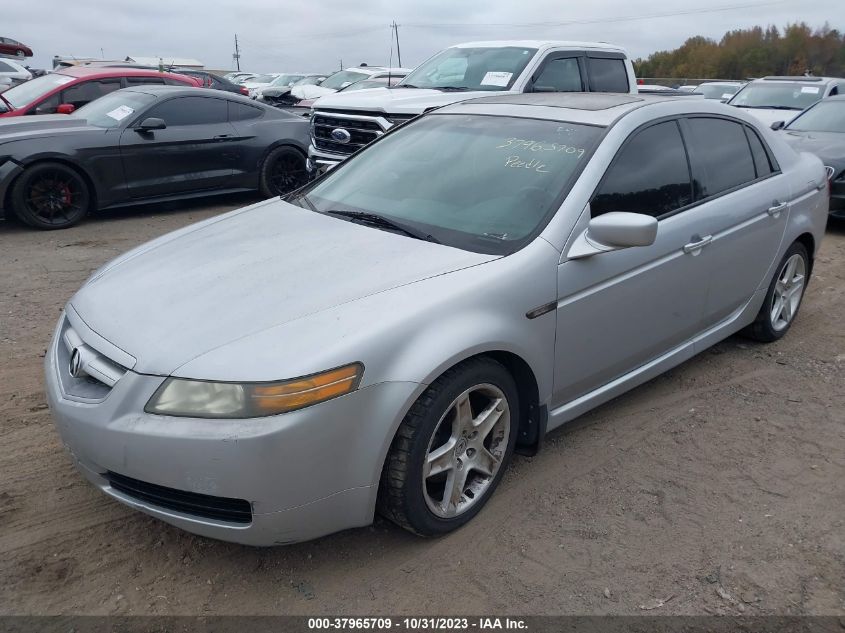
65	108
150	124
778	125
613	232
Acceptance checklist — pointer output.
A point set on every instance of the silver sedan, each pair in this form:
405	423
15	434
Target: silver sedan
384	339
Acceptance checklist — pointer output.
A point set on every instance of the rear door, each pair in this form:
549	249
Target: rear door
559	72
194	152
607	72
746	200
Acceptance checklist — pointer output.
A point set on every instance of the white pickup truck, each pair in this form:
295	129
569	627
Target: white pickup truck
344	122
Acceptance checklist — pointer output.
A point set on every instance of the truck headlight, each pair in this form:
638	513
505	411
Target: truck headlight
205	399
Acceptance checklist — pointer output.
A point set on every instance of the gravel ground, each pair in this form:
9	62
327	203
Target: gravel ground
716	488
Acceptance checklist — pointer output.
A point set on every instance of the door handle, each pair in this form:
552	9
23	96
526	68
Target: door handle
221	137
776	208
694	247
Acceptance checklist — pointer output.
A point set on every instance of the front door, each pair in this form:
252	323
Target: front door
195	152
619	310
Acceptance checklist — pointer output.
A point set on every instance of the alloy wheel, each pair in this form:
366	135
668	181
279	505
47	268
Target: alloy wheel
466	450
287	173
55	197
788	292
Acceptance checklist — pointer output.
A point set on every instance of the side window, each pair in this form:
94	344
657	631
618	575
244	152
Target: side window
47	106
834	91
721	150
559	75
649	175
82	93
191	111
142	81
5	68
607	74
242	112
762	164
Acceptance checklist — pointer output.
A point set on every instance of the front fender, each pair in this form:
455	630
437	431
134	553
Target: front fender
9	170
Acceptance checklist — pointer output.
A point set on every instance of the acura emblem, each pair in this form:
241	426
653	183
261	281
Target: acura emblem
75	364
339	135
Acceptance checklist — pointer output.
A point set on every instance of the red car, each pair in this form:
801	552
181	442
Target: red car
8	46
64	91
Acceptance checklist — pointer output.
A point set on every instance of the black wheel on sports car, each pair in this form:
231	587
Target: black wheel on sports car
784	296
282	172
451	450
20	53
50	196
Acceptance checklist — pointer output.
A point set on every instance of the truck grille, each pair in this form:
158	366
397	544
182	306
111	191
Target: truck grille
194	503
361	131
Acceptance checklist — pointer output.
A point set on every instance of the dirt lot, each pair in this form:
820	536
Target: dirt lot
717	488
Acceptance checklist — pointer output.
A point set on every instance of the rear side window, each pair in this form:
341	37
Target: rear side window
140	81
243	112
82	93
191	111
721	152
762	164
607	74
650	175
559	75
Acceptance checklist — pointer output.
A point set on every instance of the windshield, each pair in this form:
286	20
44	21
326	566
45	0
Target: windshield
27	92
261	79
472	68
286	80
370	83
309	81
112	109
342	79
716	91
785	95
481	183
826	116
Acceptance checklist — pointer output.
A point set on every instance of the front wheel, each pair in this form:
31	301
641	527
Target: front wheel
282	171
451	450
783	297
50	196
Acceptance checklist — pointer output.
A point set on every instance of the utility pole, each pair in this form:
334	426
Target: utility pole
395	28
236	57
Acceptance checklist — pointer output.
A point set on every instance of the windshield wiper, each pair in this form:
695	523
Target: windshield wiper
404	86
451	88
769	107
373	219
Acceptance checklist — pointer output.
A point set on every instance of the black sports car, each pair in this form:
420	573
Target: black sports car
820	130
142	144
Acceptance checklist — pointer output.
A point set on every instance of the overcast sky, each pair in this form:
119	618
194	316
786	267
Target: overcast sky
314	35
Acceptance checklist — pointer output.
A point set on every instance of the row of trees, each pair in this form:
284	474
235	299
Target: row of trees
754	52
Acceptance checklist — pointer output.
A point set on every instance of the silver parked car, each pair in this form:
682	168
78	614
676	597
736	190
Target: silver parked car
388	336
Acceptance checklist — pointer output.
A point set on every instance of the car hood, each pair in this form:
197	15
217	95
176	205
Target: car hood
276	92
829	146
310	92
769	116
52	125
398	100
245	272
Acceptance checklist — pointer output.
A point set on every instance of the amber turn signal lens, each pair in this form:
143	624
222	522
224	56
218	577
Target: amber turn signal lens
281	397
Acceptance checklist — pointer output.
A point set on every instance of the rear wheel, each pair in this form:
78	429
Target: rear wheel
283	171
20	53
451	450
783	297
50	196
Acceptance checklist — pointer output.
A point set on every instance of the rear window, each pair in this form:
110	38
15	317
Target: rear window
607	74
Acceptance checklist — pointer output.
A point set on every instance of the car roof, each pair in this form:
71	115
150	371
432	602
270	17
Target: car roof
796	79
540	44
88	72
592	108
159	91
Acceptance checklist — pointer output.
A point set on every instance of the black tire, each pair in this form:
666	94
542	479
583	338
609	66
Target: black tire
282	171
50	196
765	328
401	496
20	53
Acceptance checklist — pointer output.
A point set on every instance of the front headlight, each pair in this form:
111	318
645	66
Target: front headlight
204	399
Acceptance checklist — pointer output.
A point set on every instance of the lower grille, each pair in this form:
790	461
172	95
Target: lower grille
206	506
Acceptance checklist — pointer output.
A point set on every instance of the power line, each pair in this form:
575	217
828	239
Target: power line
630	18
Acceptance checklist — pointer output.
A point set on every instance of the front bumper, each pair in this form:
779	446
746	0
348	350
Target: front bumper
319	162
304	474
